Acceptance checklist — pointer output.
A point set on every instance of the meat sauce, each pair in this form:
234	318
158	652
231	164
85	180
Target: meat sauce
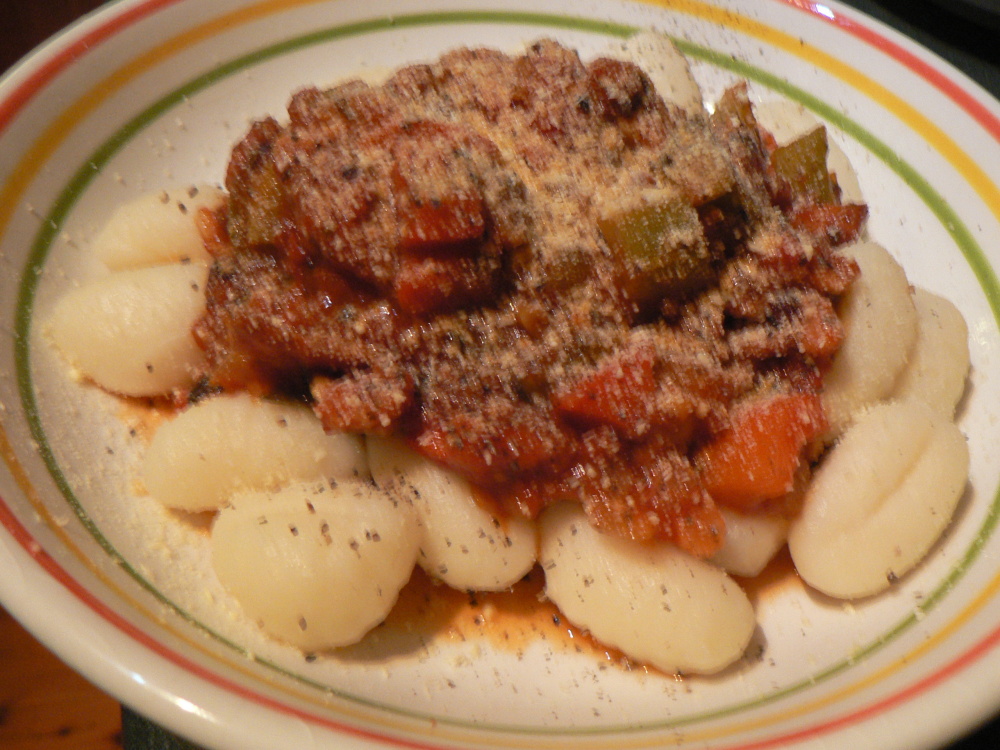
543	276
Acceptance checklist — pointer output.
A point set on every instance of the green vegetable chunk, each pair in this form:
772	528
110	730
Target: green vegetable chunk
660	249
802	164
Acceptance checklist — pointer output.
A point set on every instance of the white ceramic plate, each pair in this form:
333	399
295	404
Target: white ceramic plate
153	93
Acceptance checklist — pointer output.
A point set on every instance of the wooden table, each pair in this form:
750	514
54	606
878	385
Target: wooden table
44	705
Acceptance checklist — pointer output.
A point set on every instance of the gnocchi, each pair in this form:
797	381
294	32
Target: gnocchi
938	367
667	67
880	322
751	541
130	332
889	487
652	601
462	544
225	444
317	564
156	229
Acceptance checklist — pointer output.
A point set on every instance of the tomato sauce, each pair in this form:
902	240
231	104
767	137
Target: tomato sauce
542	275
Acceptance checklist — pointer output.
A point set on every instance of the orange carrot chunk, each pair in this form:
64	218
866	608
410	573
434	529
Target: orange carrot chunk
756	458
838	224
618	393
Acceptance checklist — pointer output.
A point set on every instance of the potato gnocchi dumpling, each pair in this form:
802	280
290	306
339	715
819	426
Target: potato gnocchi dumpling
130	332
317	564
653	602
224	444
751	542
156	229
668	69
880	326
939	363
462	544
880	499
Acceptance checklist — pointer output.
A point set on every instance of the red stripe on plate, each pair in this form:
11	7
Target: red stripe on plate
979	650
934	76
48	70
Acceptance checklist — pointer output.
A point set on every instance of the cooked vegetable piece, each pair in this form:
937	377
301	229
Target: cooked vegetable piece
802	165
660	248
735	107
367	402
839	224
618	393
256	198
657	604
757	457
787	120
317	564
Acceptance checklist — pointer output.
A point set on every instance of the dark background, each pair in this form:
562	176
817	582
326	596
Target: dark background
43	705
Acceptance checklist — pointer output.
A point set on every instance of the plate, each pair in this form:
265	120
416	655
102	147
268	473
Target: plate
153	93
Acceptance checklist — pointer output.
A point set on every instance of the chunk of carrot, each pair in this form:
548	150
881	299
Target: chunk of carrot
838	224
618	393
756	458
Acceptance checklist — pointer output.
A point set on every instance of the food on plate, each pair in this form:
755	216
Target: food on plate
579	321
157	228
752	540
654	602
881	321
668	70
881	498
130	332
318	563
222	445
939	362
537	273
463	544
